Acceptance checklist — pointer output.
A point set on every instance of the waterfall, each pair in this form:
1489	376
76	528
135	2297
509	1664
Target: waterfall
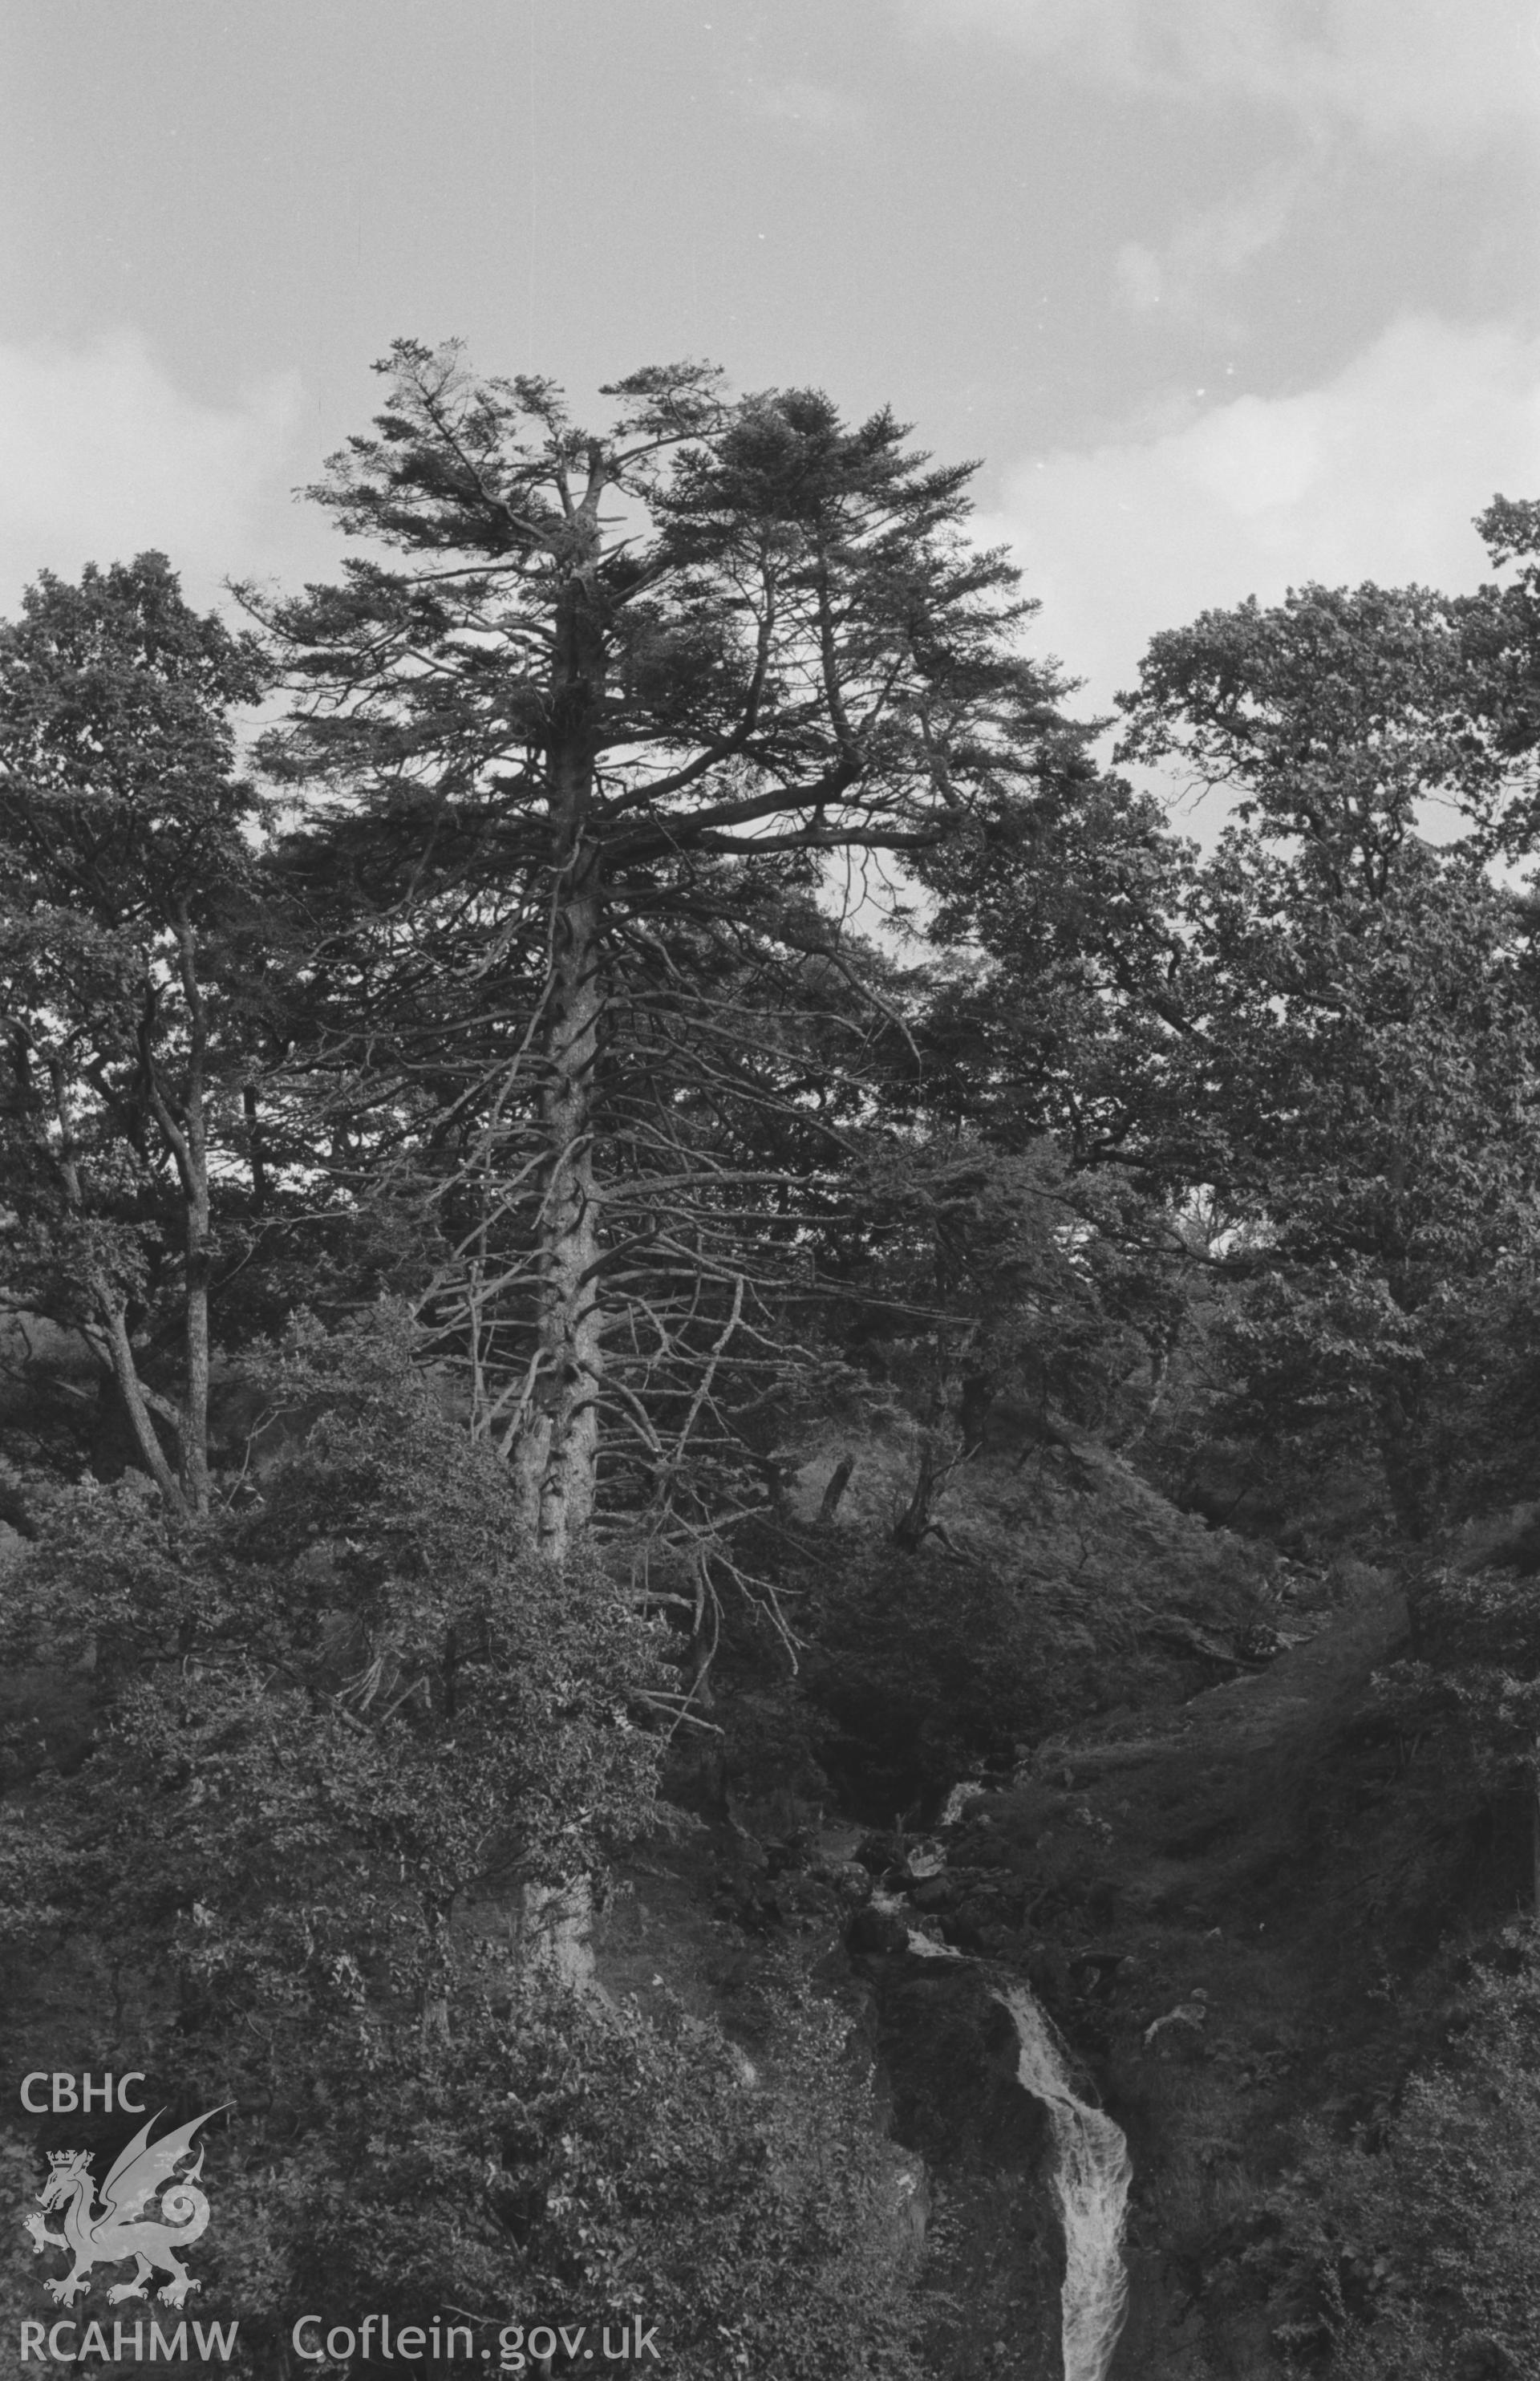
968	1790
1092	2171
1091	2179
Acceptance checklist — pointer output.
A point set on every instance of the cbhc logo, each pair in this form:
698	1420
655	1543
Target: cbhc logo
92	2094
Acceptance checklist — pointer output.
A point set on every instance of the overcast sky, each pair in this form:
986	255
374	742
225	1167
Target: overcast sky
1225	293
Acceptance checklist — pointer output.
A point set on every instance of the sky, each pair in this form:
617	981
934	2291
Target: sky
1224	294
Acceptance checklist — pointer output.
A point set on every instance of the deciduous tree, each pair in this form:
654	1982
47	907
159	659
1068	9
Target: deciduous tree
123	856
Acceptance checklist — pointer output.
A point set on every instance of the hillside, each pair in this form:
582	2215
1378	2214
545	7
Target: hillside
1249	1900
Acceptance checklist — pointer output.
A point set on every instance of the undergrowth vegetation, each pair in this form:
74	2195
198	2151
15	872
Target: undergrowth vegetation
1407	2241
343	1734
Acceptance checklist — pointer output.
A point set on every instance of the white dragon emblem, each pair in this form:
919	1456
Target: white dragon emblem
118	2229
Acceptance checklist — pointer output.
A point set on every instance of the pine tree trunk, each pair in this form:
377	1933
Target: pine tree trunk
560	1456
556	1462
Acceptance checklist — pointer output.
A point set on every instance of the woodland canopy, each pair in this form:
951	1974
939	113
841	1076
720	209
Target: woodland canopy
508	1054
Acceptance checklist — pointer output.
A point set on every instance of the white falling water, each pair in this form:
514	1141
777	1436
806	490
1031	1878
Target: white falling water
969	1789
1091	2179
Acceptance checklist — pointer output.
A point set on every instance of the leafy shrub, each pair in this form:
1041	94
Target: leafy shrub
358	1677
569	2162
340	1733
1412	2244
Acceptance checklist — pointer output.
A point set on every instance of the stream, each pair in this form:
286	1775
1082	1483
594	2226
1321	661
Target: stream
1091	2178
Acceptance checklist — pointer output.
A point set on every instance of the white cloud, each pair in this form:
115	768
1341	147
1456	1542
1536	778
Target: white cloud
1210	246
1444	69
812	108
101	456
1140	276
1376	474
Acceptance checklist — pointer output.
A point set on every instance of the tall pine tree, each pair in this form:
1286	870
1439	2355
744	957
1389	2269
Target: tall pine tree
592	737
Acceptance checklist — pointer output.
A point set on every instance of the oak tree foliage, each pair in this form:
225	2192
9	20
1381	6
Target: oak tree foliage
126	867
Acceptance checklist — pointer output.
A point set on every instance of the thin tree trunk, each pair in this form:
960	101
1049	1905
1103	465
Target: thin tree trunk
186	1136
1160	1381
914	1524
1403	1462
130	1389
256	1156
195	1404
840	1480
113	1318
